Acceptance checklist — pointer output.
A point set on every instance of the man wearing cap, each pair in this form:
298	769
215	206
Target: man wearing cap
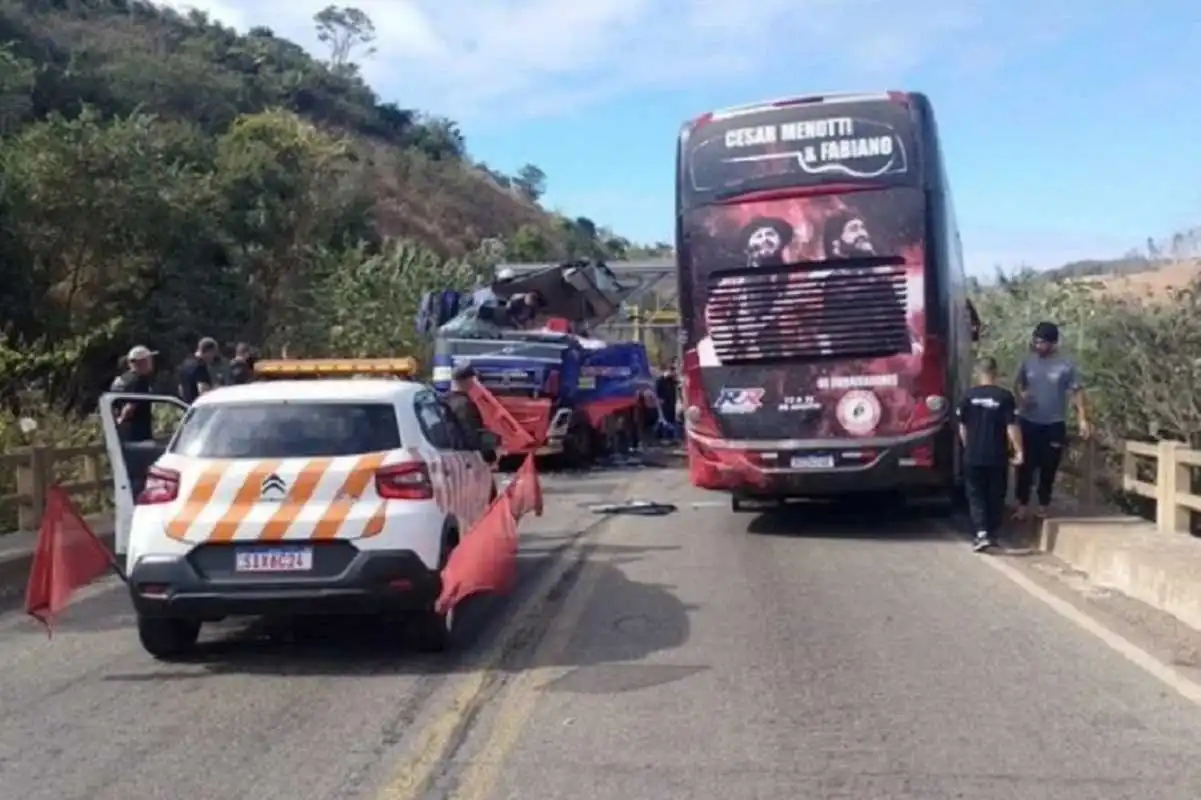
195	374
461	404
135	420
1046	381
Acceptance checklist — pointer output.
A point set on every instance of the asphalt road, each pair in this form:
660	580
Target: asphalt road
843	653
320	712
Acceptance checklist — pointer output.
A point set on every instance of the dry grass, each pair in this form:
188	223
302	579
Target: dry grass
1152	284
447	206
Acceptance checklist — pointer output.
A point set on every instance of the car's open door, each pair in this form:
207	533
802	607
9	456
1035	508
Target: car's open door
131	460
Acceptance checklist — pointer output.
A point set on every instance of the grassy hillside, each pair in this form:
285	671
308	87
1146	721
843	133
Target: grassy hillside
166	177
129	56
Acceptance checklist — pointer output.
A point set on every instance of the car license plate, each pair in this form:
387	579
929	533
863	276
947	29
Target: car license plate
813	462
274	560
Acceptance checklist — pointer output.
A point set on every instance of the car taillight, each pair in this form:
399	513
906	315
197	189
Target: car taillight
404	482
162	486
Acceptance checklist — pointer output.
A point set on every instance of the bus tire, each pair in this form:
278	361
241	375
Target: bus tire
168	638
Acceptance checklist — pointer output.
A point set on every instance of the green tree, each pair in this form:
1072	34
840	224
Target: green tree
439	138
18	76
101	212
529	244
369	301
288	188
344	29
531	182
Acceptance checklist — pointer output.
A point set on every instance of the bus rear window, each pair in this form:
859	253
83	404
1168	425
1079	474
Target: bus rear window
799	146
287	430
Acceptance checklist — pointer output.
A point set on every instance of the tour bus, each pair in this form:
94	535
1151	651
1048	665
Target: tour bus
826	330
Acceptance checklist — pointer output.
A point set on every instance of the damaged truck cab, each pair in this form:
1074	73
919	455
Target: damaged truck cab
532	355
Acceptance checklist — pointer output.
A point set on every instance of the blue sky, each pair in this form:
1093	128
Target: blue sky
1069	126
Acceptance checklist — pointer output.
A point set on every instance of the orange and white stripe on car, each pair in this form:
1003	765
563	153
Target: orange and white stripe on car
324	500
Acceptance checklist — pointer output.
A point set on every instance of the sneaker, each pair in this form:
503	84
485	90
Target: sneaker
1042	512
982	543
1019	513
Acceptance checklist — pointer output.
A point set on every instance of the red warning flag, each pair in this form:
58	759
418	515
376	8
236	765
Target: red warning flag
525	490
514	438
67	557
486	558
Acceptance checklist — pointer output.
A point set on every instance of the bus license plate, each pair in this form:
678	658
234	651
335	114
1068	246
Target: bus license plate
813	462
274	560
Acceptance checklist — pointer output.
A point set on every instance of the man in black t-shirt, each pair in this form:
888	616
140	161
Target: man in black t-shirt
195	375
988	429
135	421
241	369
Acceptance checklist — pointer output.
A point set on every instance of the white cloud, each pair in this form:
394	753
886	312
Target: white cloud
519	58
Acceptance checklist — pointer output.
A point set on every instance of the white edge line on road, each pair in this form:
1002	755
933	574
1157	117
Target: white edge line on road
1164	673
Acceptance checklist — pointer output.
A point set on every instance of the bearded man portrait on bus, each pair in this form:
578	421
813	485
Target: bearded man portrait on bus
845	235
764	240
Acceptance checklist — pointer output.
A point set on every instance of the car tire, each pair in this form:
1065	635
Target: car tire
168	638
737	505
435	631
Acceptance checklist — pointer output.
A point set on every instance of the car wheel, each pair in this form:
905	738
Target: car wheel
167	638
736	504
435	631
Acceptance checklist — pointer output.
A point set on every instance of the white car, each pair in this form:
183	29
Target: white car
294	497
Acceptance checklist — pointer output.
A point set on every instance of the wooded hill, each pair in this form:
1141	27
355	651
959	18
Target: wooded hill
165	177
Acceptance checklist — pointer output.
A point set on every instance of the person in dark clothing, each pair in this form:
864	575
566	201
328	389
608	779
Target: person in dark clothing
667	388
241	369
1046	382
988	429
461	404
135	421
195	374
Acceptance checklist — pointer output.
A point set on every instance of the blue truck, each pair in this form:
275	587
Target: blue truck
528	345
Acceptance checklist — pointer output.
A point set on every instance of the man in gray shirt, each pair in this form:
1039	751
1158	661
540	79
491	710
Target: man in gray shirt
1046	381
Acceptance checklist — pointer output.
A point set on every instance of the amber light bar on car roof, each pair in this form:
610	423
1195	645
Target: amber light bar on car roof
335	368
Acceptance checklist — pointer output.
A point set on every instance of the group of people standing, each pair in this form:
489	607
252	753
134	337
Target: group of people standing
195	376
1025	428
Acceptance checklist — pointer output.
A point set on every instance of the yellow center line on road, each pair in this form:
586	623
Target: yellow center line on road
438	740
483	771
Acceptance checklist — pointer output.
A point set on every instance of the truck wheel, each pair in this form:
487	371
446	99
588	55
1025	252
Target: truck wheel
167	638
577	445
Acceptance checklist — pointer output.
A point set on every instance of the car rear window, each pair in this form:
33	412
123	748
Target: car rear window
287	430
